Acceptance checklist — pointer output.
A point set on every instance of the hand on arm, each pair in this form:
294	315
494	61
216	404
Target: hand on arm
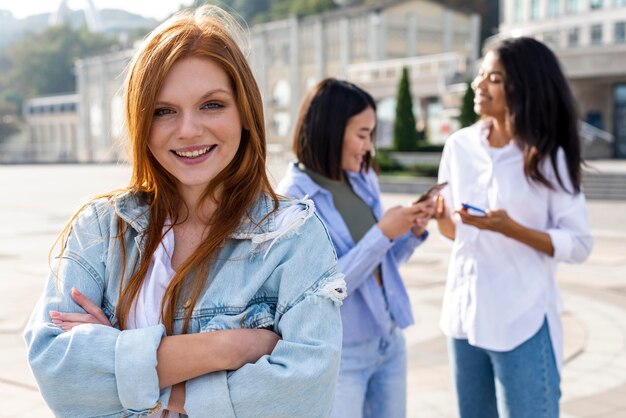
500	221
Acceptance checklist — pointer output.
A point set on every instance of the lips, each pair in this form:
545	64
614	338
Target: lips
194	153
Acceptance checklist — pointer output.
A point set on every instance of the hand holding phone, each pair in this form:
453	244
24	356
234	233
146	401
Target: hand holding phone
473	210
431	192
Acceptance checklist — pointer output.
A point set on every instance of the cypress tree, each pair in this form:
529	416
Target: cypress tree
404	133
468	116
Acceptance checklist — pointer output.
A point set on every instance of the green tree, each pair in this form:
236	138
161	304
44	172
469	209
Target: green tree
404	133
8	120
43	63
468	116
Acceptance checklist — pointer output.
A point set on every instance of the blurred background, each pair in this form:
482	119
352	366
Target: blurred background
62	66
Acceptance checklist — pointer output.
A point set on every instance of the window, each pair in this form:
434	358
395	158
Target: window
596	4
618	3
518	11
620	32
553	8
573	36
552	39
573	6
534	10
596	35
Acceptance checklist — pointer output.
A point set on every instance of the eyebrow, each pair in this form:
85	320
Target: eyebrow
494	72
205	96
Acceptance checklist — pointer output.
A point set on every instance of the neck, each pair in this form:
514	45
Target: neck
196	212
499	135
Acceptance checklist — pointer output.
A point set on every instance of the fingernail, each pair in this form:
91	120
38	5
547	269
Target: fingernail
53	314
75	291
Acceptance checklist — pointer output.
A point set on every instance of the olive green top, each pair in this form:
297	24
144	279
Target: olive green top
354	211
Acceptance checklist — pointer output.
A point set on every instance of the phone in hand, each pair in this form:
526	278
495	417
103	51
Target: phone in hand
432	191
473	210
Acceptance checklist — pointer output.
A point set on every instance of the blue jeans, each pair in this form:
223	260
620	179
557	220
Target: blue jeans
521	383
372	378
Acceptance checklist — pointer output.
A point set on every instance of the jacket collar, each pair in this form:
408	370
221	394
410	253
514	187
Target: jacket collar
132	207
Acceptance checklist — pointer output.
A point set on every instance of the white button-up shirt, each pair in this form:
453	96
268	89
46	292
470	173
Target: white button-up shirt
499	290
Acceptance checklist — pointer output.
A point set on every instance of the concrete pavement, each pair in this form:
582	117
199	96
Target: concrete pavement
37	200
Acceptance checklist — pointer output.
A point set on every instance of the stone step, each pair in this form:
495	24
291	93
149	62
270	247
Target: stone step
597	186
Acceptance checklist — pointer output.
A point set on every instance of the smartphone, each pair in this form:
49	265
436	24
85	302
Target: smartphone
432	191
473	210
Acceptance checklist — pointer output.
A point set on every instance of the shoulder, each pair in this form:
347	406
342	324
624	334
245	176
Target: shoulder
295	183
465	135
99	217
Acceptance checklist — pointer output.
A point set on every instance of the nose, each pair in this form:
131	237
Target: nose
189	125
476	81
369	143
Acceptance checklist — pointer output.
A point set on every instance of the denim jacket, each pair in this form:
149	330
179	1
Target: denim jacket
363	312
277	271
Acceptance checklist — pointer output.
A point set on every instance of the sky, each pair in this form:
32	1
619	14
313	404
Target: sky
158	9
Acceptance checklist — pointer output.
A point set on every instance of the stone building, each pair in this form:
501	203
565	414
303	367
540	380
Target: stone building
52	130
368	45
589	37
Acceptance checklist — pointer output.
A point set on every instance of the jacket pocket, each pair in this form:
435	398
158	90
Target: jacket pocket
259	315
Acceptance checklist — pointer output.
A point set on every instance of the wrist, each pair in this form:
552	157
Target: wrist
511	228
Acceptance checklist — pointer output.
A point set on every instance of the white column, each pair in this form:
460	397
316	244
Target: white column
374	35
294	70
474	44
447	30
320	53
344	46
543	9
411	35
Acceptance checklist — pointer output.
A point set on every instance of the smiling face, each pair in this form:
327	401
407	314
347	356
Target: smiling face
489	99
197	127
357	139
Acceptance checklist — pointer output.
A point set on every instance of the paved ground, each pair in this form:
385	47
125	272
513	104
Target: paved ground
36	201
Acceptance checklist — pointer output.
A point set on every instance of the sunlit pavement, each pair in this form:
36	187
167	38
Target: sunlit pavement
37	200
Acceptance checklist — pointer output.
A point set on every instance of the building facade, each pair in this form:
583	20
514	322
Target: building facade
589	37
368	45
52	130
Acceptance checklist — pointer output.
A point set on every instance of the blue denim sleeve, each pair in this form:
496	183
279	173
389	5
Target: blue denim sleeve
93	370
298	378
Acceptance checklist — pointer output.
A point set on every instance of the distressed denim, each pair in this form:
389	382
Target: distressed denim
277	274
521	383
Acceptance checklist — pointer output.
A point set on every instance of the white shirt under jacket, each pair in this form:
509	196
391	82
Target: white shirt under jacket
499	290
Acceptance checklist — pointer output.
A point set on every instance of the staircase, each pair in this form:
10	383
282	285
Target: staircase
597	185
604	186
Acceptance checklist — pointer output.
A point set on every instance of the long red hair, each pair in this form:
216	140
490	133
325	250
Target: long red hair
207	33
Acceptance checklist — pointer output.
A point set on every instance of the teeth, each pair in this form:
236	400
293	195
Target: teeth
192	154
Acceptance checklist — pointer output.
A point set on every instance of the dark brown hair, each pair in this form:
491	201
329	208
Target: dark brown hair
541	107
321	125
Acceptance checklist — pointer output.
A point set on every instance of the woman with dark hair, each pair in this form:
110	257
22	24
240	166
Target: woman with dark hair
194	289
515	186
333	145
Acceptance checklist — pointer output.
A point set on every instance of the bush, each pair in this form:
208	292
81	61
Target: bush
423	170
385	163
